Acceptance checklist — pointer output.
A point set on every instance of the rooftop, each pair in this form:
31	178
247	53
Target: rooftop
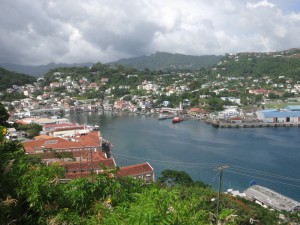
135	170
272	199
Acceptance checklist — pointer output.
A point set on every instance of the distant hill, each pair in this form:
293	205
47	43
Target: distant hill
39	71
8	79
169	61
261	64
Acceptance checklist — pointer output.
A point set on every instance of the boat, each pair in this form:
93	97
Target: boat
177	119
164	117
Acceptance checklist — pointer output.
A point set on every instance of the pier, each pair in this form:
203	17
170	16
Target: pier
220	124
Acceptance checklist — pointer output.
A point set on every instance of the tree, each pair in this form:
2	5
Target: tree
174	177
215	104
32	129
3	115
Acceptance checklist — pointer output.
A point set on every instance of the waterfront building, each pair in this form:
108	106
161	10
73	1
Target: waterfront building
271	199
43	121
84	155
290	114
50	127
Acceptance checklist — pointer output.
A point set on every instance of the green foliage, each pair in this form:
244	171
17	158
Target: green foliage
168	61
32	129
11	96
272	65
8	79
214	104
3	115
174	177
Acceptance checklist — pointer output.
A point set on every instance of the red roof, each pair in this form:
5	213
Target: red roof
236	118
91	139
198	110
31	146
135	170
60	125
68	128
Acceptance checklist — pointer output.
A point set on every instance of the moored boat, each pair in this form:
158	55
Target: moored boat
164	117
177	119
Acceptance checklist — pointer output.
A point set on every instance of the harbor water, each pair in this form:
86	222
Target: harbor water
269	156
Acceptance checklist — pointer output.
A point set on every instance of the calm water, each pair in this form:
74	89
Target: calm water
271	156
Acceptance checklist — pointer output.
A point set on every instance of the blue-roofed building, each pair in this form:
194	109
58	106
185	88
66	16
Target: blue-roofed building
293	108
290	114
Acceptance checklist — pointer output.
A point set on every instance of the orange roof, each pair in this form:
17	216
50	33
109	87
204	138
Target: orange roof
21	122
31	146
42	137
91	139
134	170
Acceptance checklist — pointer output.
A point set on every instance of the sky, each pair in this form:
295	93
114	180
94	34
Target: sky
36	32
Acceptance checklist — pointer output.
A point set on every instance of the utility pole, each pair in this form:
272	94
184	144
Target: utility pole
220	169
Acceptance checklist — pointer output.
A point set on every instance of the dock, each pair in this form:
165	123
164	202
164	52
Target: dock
220	124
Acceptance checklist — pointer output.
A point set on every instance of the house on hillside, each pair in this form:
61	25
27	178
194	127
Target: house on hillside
85	169
142	171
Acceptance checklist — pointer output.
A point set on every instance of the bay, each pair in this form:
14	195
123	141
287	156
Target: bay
270	156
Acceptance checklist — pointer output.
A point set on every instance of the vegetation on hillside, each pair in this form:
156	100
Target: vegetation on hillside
168	61
233	76
8	79
274	65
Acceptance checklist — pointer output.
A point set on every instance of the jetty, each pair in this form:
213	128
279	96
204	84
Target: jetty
250	124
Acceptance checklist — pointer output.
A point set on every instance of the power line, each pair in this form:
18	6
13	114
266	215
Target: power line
265	179
264	173
241	170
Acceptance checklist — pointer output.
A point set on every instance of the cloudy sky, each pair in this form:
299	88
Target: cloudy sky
34	32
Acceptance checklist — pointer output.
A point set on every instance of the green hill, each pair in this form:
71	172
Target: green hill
273	64
8	79
168	61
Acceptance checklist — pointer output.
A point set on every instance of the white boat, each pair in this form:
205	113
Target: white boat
164	116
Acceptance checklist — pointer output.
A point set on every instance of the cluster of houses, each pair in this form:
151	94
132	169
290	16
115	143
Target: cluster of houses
80	150
40	99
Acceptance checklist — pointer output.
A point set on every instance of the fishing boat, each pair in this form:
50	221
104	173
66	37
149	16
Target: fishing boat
164	117
177	119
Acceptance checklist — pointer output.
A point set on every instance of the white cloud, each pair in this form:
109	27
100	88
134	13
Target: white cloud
264	3
36	32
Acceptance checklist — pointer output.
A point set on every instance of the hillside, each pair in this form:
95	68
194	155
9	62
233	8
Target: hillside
168	61
273	64
8	79
39	71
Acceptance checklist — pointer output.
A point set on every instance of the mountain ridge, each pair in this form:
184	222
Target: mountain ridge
169	61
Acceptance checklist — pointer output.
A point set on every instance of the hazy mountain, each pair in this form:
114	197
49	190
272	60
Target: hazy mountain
167	61
39	71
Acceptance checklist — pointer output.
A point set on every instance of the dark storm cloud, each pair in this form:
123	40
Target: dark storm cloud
43	31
